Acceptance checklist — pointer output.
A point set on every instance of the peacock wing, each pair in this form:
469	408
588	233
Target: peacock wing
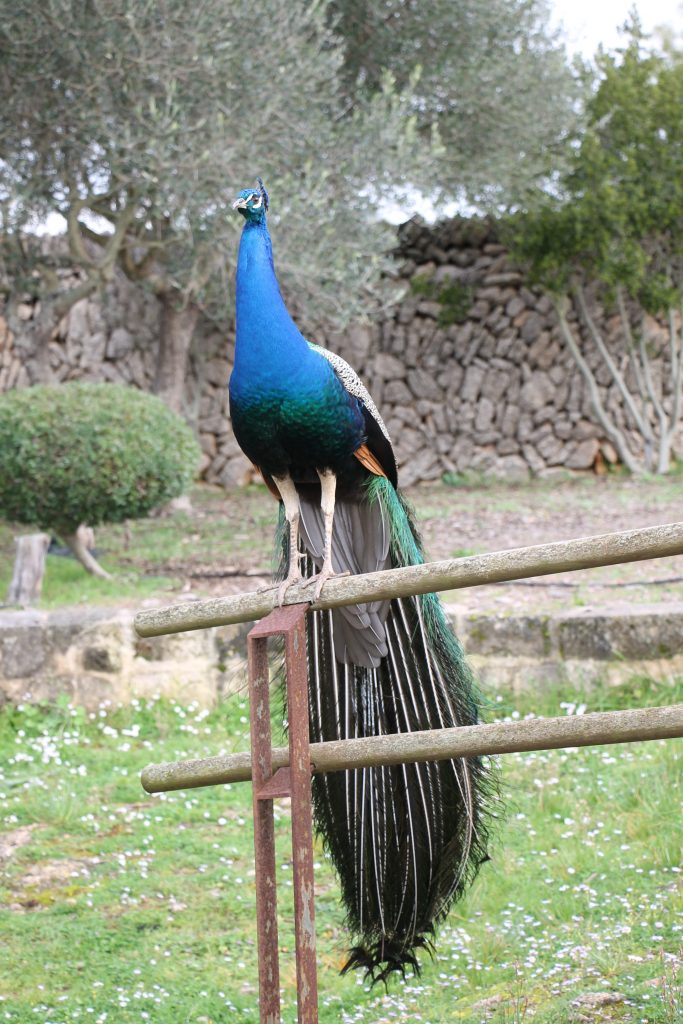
378	440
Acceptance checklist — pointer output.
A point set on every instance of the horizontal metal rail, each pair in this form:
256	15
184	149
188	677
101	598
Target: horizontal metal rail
451	574
602	727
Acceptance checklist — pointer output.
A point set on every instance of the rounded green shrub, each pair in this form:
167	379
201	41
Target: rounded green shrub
89	453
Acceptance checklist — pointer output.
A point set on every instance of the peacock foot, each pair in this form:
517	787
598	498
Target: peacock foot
320	579
292	577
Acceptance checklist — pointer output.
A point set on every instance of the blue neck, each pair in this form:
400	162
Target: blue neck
266	334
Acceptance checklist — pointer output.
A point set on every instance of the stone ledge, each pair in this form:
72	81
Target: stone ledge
93	654
625	632
580	646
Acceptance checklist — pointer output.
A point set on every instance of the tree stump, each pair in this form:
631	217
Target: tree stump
29	568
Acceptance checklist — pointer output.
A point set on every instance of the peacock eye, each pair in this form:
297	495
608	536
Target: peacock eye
257	201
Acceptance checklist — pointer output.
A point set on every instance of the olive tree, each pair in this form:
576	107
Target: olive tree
490	75
142	119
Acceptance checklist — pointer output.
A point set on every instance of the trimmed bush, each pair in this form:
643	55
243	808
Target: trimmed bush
89	453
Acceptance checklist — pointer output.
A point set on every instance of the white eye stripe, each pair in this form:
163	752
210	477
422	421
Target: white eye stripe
258	202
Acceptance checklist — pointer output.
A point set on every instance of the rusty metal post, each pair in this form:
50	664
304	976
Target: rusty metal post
295	782
264	831
302	820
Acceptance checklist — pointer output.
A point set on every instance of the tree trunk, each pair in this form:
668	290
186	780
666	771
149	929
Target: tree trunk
78	545
29	568
176	329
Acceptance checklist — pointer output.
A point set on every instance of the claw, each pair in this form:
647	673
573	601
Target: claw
320	579
291	578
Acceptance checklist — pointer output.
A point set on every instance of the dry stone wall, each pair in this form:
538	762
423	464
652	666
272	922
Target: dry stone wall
94	654
468	367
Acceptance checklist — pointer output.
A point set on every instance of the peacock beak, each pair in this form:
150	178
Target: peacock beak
240	204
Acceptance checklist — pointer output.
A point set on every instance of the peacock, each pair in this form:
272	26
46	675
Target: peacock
405	840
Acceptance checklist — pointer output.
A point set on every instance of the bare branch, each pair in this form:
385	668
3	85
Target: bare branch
606	422
641	422
676	343
628	335
78	250
65	300
663	457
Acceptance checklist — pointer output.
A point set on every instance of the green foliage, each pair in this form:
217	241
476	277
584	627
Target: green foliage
492	76
617	213
455	297
155	115
151	117
89	453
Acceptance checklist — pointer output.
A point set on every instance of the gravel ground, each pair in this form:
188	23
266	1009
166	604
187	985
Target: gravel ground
465	520
474	520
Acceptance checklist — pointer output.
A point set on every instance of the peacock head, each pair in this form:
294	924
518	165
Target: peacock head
252	203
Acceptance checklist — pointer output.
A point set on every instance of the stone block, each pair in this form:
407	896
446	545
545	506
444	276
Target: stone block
510	421
519	635
216	371
484	416
396	393
388	367
514	307
423	385
23	649
532	458
120	343
474	377
507	446
410	441
513	467
495	385
532	327
357	344
551	450
584	429
562	428
236	472
650	634
430	309
525	427
536	392
423	465
583	454
480	310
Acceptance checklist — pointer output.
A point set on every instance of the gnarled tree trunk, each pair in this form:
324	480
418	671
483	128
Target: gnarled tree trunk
177	324
78	545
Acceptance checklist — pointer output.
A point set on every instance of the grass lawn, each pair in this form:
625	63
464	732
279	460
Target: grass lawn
154	556
119	907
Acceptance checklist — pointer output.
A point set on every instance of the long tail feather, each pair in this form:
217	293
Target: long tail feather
406	840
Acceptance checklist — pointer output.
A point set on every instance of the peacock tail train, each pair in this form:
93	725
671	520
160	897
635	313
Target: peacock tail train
406	840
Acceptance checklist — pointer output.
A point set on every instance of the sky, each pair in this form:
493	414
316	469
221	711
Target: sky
588	23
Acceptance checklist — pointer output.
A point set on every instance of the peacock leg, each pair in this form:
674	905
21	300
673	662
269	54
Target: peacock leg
328	487
290	500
